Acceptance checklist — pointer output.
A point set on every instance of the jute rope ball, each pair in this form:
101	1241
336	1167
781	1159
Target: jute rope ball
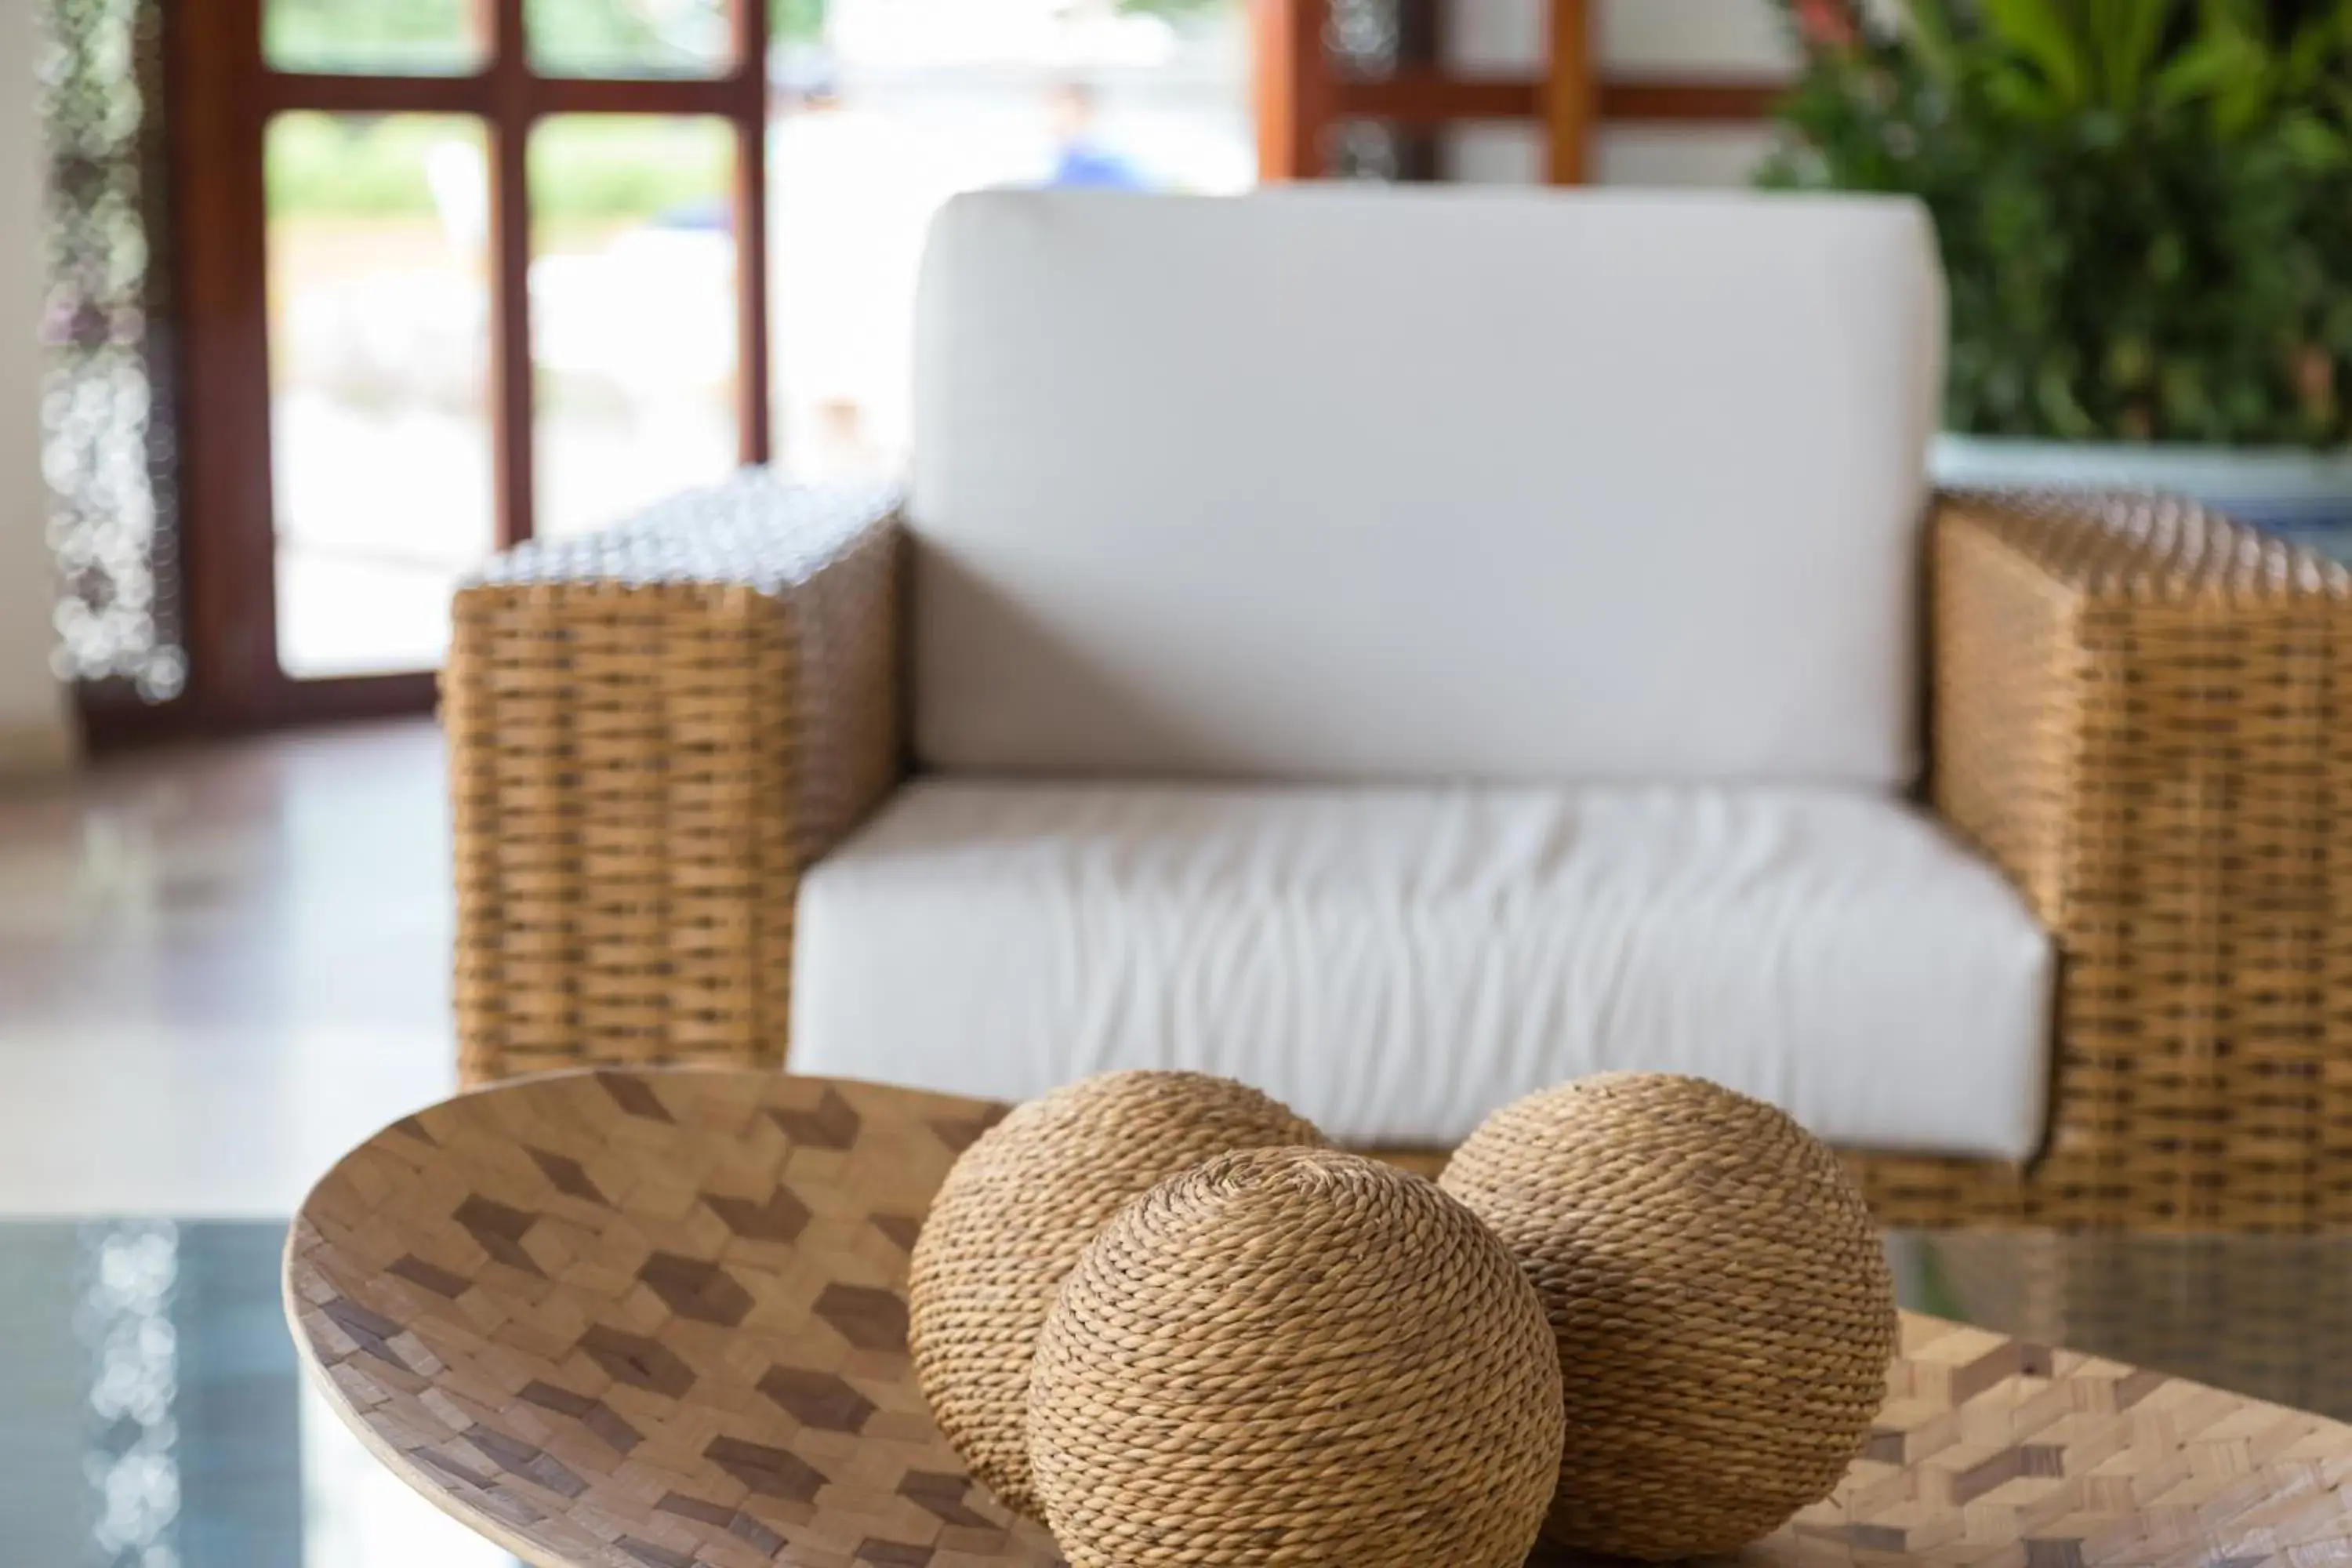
1295	1357
1016	1211
1723	1310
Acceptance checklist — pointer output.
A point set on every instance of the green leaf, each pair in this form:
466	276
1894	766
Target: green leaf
2317	146
1931	38
2203	69
2129	362
2053	391
2137	36
2039	30
2318	49
2022	94
2147	247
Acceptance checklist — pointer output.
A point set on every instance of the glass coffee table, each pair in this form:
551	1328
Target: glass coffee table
2265	1316
153	1415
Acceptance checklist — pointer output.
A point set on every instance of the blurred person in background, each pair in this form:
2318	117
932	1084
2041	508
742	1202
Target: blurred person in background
1081	155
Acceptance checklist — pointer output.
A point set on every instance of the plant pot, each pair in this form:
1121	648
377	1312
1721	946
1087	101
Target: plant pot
2299	494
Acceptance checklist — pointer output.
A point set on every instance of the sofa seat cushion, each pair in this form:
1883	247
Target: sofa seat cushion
1394	963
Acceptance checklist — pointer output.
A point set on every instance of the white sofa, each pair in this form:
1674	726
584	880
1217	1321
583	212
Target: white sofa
1408	649
1408	646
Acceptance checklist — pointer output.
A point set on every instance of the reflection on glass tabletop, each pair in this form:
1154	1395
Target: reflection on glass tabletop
152	1414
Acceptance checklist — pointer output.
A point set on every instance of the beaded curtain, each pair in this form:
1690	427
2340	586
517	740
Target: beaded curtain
109	444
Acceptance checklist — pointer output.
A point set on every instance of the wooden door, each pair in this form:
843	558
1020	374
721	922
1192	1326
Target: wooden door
433	259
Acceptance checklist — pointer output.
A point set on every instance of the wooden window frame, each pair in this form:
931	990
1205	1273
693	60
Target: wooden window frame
222	95
1300	93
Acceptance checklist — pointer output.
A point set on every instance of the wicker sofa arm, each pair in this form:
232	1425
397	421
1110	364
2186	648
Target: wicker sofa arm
2143	713
651	731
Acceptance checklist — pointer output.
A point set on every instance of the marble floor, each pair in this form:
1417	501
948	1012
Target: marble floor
219	967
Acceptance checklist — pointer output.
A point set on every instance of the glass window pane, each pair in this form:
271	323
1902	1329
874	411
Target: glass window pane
629	37
379	345
392	38
883	112
633	312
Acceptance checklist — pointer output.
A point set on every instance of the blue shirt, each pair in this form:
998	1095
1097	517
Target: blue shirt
1099	168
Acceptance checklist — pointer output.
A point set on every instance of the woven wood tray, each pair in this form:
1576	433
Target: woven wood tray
655	1319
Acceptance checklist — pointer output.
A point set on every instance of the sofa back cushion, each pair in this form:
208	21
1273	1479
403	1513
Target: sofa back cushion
1322	483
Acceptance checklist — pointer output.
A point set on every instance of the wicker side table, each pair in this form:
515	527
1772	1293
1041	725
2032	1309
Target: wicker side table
655	1319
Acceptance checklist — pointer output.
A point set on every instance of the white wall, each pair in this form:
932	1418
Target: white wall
1662	37
34	735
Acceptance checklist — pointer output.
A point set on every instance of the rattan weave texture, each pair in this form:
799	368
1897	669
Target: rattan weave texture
1296	1356
658	1319
1017	1212
2135	710
652	732
2143	713
1722	1304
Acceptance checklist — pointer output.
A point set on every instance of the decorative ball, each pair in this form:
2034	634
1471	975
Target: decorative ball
1016	1211
1724	1309
1301	1357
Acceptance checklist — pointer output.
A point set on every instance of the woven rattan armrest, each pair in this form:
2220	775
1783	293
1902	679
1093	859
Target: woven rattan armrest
2140	713
653	732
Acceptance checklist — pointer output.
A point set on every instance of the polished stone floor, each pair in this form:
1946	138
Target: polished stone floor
219	968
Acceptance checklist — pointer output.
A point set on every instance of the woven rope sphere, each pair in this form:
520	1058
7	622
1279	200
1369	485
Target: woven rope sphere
1722	1306
1301	1357
1017	1210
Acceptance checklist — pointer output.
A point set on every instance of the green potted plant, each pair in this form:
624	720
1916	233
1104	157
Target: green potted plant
2144	208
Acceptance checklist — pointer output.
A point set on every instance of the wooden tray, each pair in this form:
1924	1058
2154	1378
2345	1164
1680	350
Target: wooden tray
653	1319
